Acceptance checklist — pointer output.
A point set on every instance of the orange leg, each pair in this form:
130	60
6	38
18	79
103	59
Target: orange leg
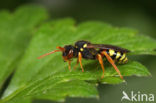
99	57
80	58
76	64
113	64
69	65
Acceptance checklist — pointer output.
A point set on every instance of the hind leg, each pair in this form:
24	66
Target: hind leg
99	57
112	62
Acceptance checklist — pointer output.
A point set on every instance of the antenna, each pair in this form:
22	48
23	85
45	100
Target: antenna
48	54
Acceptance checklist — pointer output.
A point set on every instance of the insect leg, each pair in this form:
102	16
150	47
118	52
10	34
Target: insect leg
112	62
99	57
69	65
80	59
76	64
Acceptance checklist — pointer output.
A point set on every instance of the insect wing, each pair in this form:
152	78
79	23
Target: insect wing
106	47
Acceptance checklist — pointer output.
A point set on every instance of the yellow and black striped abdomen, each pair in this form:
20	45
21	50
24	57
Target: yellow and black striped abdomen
117	56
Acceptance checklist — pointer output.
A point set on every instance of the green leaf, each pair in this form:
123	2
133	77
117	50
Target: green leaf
49	78
15	32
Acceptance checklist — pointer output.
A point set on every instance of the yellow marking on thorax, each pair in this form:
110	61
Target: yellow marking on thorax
111	52
85	45
123	56
81	49
118	55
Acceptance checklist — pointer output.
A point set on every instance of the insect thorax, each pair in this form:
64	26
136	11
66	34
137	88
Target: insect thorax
87	53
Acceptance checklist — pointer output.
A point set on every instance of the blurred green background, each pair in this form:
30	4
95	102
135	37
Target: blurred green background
139	14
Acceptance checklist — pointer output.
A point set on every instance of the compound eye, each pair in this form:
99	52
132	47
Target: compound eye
71	51
70	54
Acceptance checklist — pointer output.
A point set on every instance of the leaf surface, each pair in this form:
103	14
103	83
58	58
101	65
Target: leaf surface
15	33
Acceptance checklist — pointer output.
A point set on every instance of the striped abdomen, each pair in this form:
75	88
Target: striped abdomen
117	56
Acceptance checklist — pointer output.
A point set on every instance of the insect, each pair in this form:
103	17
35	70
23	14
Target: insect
86	50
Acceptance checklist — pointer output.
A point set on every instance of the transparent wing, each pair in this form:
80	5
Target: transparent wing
106	47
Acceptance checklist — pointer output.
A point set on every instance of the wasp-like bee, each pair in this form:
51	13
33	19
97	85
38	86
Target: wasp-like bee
86	50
